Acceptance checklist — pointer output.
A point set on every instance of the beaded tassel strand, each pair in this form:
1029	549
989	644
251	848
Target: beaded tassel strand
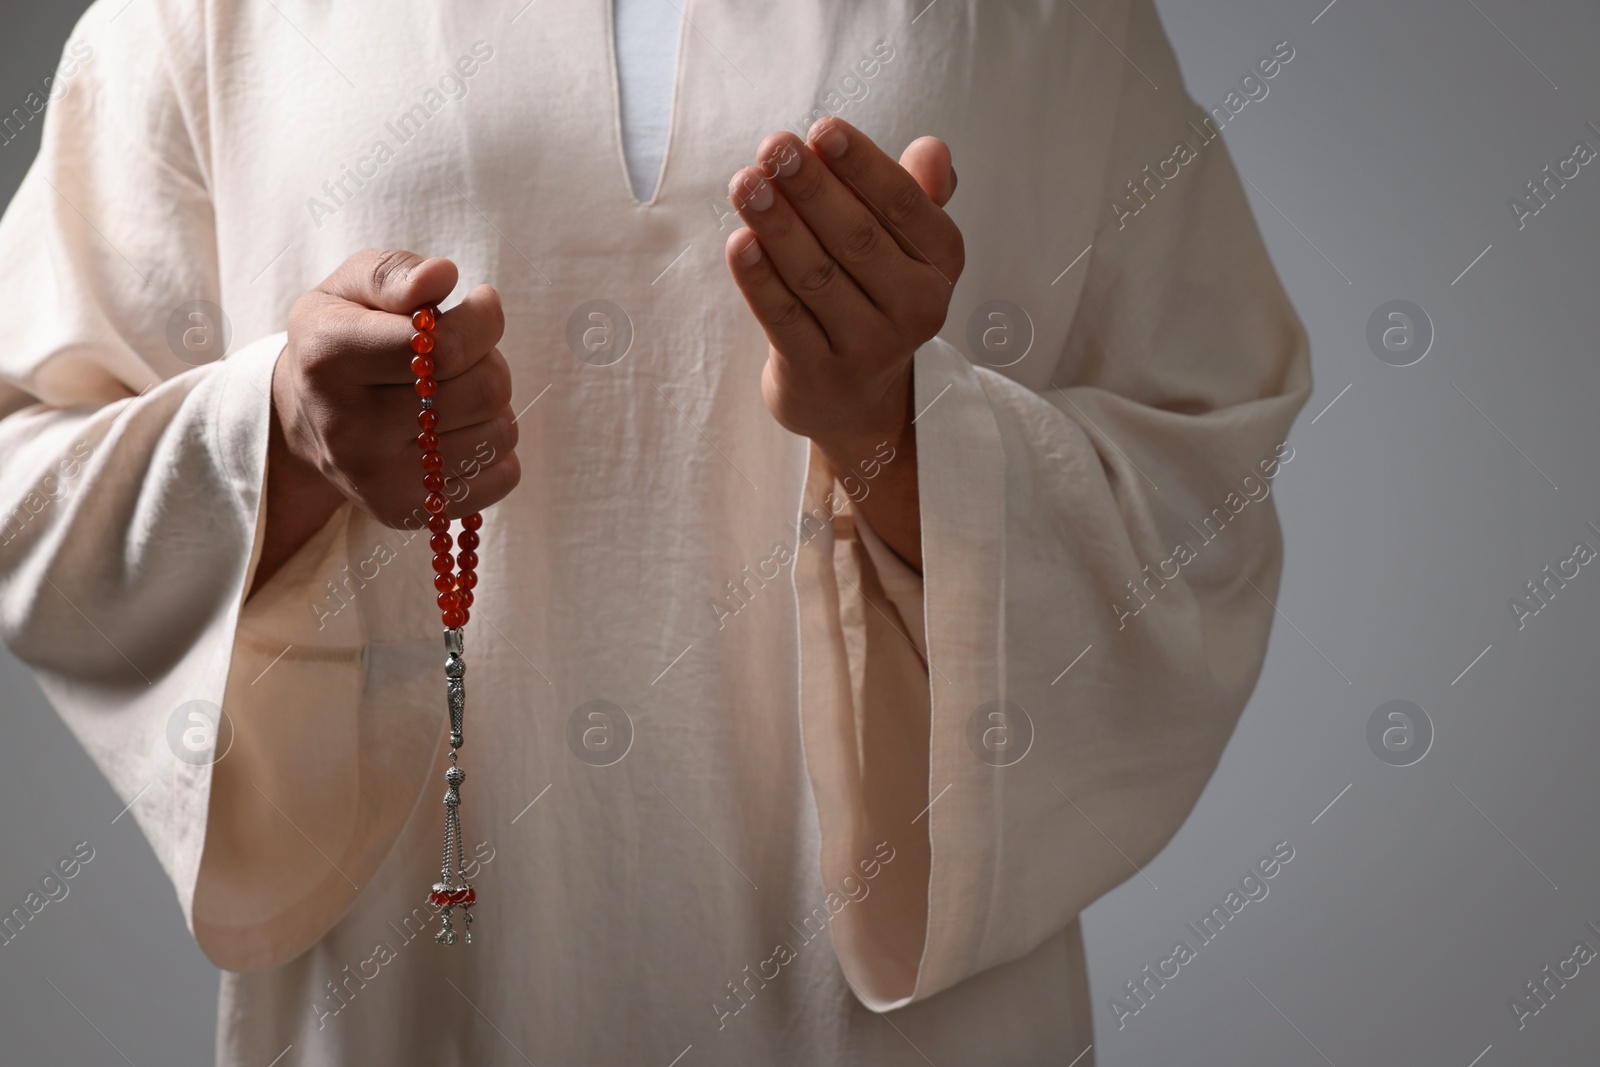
455	603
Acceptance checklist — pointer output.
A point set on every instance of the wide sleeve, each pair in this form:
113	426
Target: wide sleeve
133	454
129	478
1101	556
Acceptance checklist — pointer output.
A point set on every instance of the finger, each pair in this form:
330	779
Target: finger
917	223
341	343
375	347
490	485
814	276
849	232
472	450
927	160
392	471
788	323
477	395
470	485
467	333
391	280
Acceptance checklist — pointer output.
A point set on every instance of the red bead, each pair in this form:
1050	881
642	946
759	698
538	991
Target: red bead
454	597
469	539
466	616
468	559
455	898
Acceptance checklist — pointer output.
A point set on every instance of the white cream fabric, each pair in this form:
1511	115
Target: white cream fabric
793	761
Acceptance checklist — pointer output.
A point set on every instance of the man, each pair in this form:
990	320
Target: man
781	715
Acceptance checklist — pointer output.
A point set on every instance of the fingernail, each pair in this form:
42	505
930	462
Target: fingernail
751	252
755	195
832	142
787	159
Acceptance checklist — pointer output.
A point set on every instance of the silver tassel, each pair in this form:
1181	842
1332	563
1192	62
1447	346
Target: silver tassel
453	890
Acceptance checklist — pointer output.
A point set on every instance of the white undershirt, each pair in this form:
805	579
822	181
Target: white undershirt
647	50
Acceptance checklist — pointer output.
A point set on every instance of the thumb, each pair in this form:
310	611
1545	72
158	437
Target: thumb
395	280
927	159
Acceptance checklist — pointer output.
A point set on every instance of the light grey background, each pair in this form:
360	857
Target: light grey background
1415	507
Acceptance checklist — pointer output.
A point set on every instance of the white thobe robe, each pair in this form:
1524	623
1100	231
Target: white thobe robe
735	887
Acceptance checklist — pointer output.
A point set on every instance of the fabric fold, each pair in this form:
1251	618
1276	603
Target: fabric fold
335	700
901	585
158	497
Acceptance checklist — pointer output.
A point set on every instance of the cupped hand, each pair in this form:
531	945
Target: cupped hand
345	407
848	264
